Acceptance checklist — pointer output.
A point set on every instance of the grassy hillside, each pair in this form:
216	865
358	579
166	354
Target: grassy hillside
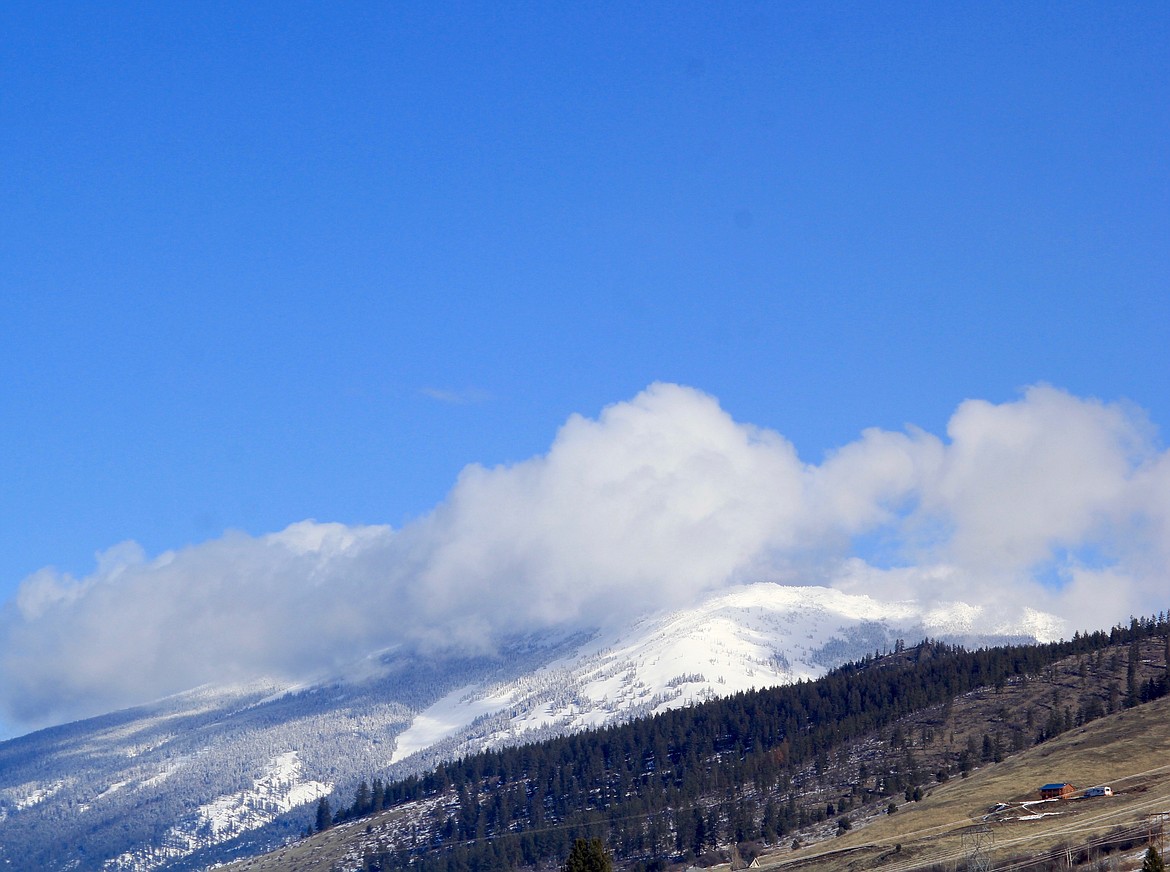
1129	750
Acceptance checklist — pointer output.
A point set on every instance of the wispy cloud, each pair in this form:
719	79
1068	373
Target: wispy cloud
465	397
1052	500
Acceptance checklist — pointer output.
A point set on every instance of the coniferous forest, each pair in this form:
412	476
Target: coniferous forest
678	784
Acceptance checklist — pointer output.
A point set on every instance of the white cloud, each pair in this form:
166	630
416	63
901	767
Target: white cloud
1021	478
659	499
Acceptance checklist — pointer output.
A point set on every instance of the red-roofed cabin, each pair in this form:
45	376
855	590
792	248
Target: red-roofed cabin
1057	791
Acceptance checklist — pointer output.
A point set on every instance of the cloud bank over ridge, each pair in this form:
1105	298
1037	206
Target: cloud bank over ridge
1054	501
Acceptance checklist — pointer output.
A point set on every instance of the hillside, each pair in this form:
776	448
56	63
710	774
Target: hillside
944	827
1129	751
758	791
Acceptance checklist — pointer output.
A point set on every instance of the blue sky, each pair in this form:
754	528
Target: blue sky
267	262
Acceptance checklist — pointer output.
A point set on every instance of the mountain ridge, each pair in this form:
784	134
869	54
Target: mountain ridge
147	773
662	661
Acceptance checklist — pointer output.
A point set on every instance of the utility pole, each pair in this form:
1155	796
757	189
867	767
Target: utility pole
1158	829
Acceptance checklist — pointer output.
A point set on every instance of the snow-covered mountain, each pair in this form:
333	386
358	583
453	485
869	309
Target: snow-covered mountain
219	772
760	635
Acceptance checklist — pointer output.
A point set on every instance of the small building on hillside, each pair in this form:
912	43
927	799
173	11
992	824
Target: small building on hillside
1057	790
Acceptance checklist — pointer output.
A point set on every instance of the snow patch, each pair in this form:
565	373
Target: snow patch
31	793
277	790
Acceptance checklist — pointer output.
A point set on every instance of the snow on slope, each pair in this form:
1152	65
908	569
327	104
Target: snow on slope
759	635
27	795
178	783
279	789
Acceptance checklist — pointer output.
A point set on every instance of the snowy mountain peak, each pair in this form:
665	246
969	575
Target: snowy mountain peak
221	771
759	635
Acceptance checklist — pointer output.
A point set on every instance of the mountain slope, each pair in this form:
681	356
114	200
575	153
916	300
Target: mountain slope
762	635
202	768
218	771
786	763
1128	751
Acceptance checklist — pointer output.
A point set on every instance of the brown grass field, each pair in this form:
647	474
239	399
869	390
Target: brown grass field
1129	751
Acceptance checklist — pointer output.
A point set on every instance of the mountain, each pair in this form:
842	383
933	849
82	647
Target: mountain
760	635
227	771
915	750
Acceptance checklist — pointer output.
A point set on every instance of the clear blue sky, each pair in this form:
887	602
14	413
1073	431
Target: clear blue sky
266	262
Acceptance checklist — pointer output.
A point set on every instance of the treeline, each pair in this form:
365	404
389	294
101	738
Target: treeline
687	780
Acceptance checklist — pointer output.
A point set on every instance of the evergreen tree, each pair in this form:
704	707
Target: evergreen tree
700	833
1131	687
324	815
362	801
1153	861
588	856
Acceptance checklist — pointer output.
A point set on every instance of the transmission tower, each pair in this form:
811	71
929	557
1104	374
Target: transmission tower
976	846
